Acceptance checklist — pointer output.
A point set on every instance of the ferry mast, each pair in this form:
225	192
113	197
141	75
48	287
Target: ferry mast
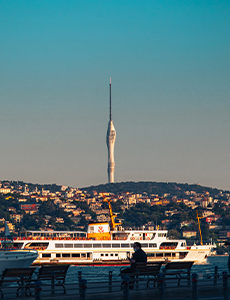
110	141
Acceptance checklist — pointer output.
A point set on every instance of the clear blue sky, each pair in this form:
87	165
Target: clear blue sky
170	68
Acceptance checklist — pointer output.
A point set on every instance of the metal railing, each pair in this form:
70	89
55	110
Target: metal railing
82	286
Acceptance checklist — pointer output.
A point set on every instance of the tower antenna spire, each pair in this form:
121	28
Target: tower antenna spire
110	99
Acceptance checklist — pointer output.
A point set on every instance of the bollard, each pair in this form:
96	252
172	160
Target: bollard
161	286
82	289
225	285
215	276
194	287
110	280
37	291
126	290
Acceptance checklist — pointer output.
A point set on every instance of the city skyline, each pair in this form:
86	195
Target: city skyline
170	68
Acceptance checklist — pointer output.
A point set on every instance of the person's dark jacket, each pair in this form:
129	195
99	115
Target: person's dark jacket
139	256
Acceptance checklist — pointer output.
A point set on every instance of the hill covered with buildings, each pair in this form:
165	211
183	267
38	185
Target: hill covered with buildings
172	206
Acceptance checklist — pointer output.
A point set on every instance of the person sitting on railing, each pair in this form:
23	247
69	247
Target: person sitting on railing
139	256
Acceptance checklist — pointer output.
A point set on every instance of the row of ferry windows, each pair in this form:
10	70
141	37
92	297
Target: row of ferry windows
79	255
144	245
87	255
65	255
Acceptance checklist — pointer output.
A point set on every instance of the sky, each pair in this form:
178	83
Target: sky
170	68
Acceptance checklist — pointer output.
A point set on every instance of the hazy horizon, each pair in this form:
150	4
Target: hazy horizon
170	68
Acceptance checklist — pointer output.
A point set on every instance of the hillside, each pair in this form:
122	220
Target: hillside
160	188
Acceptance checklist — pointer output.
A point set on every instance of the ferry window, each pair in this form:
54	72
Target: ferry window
124	245
116	245
152	245
144	245
96	245
91	229
151	254
106	254
102	254
169	244
65	255
78	245
182	254
46	255
116	254
88	255
58	245
68	245
83	255
111	254
106	245
18	245
88	245
159	254
58	255
167	254
173	254
37	245
75	254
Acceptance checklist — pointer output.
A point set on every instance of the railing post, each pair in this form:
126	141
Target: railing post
82	288
37	291
52	283
161	285
110	280
215	276
225	285
189	278
126	290
194	287
79	276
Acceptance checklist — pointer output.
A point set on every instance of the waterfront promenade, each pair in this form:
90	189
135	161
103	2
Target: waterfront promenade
217	286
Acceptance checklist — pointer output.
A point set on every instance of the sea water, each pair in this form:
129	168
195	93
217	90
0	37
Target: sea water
94	273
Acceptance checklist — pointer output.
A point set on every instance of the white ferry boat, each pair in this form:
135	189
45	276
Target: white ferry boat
12	258
101	246
106	243
16	259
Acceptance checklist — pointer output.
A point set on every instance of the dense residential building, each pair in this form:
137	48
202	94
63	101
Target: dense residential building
52	207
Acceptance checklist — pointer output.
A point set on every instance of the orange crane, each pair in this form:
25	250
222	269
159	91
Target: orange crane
112	215
198	219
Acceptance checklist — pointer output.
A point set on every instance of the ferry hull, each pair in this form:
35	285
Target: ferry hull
16	259
198	256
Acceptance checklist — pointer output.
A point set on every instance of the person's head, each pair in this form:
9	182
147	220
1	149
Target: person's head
136	246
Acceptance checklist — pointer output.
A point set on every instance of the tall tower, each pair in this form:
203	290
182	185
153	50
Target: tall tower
110	141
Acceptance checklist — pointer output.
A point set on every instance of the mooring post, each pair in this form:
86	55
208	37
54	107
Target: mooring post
194	287
110	280
82	288
161	285
125	290
37	290
225	285
215	275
